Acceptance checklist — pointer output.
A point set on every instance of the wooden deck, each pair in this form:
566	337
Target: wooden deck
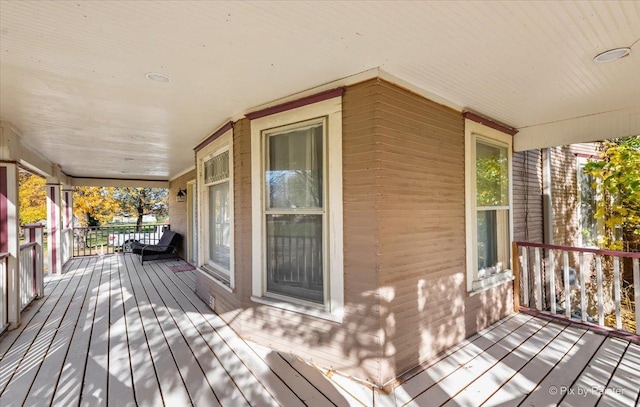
111	332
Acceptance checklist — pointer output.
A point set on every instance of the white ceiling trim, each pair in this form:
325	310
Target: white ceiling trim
595	127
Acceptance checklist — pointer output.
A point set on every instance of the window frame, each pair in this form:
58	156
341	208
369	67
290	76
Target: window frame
330	110
580	163
218	273
478	132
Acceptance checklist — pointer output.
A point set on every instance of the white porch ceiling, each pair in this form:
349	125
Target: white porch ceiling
72	74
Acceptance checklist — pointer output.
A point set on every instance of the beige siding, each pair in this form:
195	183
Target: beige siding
421	230
404	244
178	210
565	191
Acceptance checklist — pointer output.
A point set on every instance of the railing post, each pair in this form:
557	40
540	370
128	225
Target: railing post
538	277
636	290
583	288
567	286
36	235
552	282
525	275
616	290
516	274
600	294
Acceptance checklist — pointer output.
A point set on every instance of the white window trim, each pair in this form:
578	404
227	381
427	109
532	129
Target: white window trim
582	161
472	131
218	146
333	308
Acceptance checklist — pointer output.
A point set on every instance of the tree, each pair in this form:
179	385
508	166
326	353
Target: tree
143	201
32	197
617	179
94	206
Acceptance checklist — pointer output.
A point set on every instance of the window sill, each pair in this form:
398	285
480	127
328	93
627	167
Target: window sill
495	280
300	309
216	280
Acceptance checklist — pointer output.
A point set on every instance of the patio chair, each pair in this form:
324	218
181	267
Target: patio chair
165	249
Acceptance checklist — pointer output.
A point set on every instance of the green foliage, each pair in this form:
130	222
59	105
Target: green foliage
617	179
33	198
143	201
492	176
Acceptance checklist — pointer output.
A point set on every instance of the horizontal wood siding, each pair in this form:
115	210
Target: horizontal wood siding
424	305
565	191
178	210
352	347
528	222
229	305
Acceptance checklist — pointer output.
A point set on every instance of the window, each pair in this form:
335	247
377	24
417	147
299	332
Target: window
215	175
488	206
588	226
297	221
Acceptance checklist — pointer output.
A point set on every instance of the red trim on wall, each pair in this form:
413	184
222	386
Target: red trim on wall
228	126
307	100
490	123
52	231
4	215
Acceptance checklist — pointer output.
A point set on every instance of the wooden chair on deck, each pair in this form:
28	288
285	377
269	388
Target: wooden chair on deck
167	247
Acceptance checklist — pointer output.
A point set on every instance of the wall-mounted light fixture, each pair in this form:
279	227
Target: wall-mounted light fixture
182	195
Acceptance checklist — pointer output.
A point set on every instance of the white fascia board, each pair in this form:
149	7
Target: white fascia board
596	127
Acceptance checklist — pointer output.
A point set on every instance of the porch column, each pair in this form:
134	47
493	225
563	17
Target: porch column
67	223
54	224
9	239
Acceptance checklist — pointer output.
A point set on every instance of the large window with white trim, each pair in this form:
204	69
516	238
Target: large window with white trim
297	218
488	197
215	174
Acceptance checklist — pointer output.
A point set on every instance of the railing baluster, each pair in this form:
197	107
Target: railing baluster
538	276
636	290
525	276
583	288
567	287
600	299
552	282
616	290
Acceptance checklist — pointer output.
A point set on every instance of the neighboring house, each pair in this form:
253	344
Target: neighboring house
563	203
333	227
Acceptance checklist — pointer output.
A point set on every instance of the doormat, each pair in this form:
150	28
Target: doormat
181	268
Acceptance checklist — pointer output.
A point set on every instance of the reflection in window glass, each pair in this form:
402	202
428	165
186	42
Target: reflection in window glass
492	175
294	173
219	225
294	256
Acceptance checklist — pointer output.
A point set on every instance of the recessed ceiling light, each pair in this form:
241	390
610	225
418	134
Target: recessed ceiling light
158	77
612	54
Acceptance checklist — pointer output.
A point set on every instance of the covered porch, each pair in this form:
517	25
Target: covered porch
112	332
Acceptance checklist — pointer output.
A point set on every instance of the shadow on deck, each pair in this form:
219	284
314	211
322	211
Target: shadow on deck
112	332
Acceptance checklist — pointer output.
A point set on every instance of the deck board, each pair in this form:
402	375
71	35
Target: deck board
235	352
525	381
585	390
623	389
113	332
549	391
42	389
481	388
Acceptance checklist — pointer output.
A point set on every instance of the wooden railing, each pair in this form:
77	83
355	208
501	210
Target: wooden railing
67	244
4	291
31	273
98	240
578	283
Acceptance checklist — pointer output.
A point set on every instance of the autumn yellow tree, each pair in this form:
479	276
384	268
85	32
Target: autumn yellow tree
94	206
32	198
